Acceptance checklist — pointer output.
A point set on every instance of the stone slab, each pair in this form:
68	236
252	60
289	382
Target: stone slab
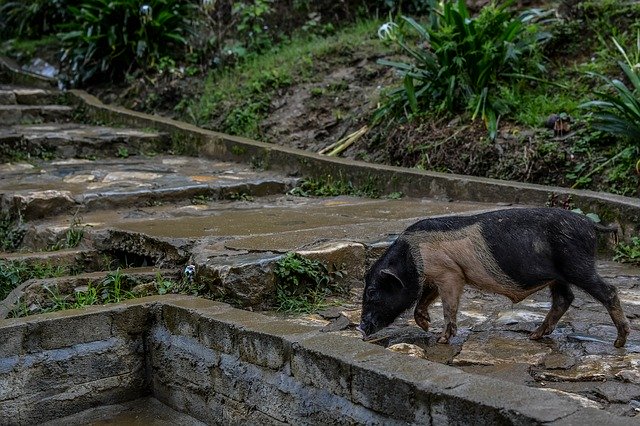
64	185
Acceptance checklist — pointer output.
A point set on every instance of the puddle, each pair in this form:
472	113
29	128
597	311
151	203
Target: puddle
140	412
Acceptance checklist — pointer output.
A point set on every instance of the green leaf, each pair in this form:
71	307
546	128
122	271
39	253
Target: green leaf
411	93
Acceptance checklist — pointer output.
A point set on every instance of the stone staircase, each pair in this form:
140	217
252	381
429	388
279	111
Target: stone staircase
102	204
131	203
22	105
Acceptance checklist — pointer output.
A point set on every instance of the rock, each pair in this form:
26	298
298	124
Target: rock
408	349
617	392
630	376
585	402
38	204
558	361
345	257
518	316
578	337
337	324
331	313
490	349
247	280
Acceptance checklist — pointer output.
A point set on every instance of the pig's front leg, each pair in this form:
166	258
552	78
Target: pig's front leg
421	313
450	289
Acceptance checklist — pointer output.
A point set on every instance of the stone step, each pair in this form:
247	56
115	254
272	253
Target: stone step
37	295
234	245
50	188
70	140
22	114
78	259
15	95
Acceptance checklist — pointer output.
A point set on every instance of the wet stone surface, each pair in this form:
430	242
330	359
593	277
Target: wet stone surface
49	188
72	140
232	222
493	340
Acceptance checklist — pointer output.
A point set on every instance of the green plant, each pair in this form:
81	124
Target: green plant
73	237
111	288
302	284
618	111
252	25
11	231
163	285
58	301
108	38
32	18
199	200
459	61
628	253
123	152
86	297
20	309
331	187
12	274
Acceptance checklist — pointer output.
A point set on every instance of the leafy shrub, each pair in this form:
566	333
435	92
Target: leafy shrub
31	18
628	253
459	61
302	284
108	38
252	25
618	110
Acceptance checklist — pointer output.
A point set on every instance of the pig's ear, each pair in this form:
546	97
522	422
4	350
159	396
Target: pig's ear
392	274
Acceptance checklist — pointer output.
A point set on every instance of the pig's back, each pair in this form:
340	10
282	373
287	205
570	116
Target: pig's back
529	246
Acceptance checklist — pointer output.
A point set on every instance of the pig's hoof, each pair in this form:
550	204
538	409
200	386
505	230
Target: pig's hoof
540	332
422	323
536	335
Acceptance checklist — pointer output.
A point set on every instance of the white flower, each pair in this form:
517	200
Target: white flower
145	10
387	31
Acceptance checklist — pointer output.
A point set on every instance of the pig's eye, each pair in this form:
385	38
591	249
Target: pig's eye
371	293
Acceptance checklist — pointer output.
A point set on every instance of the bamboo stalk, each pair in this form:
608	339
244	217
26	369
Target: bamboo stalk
344	143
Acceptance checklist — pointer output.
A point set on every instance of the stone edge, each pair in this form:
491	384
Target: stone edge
624	211
445	387
11	70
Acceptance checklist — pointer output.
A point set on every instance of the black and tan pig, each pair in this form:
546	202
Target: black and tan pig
513	252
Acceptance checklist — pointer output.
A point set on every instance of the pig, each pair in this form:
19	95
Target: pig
513	252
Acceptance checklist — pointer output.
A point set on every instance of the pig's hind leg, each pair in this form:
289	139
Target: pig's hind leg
421	313
561	298
606	294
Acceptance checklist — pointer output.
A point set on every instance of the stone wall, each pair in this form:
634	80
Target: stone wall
226	366
54	365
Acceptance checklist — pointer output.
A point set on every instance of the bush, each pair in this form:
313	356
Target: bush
618	109
617	112
459	61
31	18
108	38
302	284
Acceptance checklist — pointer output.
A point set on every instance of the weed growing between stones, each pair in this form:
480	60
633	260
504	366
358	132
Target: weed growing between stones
303	284
73	236
12	274
331	187
183	286
115	287
11	232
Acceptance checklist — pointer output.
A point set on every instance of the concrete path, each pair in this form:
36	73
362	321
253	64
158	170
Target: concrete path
141	207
